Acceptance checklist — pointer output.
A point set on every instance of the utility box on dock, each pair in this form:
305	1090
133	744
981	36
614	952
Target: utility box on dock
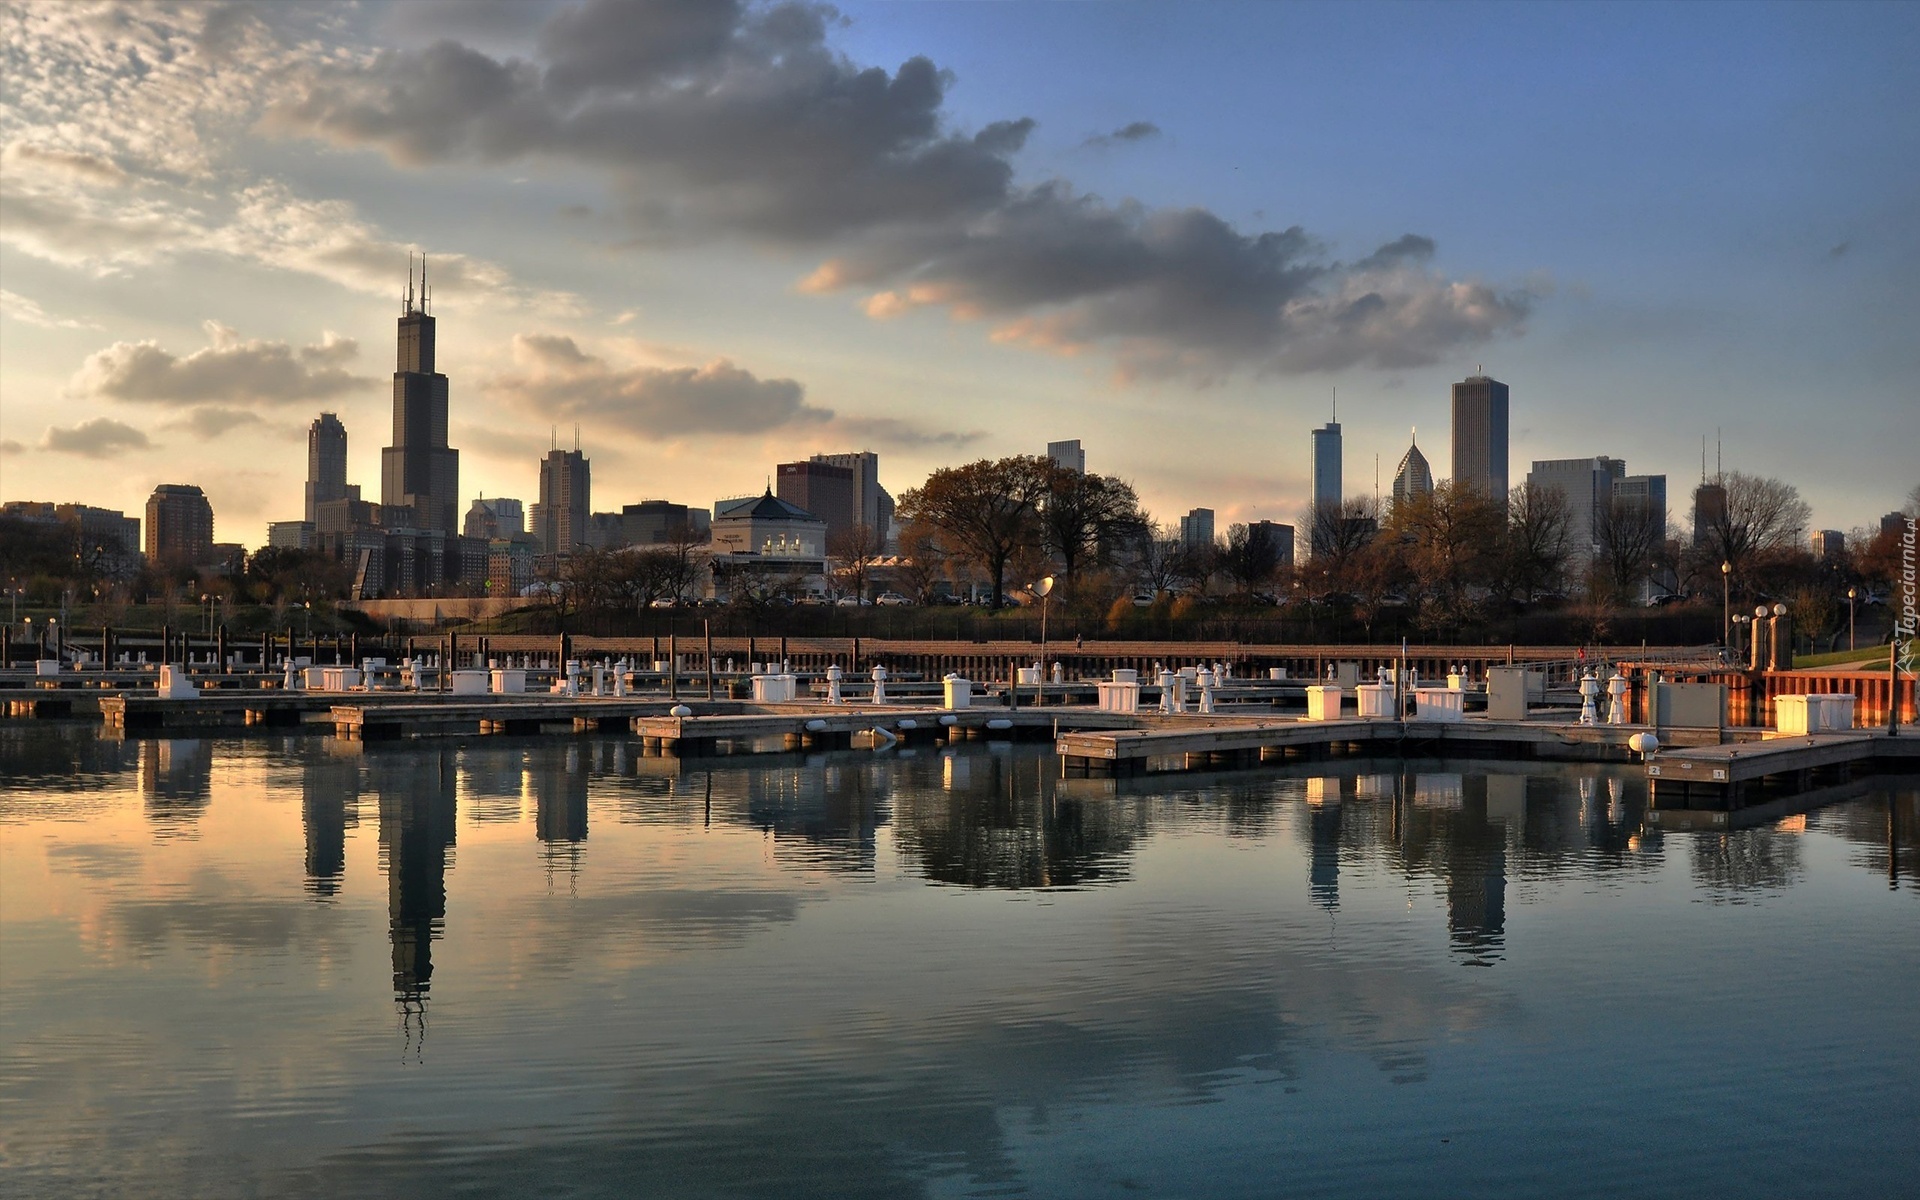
1689	705
956	692
1347	674
1508	691
1323	703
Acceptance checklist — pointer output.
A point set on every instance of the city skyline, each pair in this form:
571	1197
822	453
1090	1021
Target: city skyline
201	257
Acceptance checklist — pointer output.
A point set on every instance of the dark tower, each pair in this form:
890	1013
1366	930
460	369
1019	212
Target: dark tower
326	463
419	473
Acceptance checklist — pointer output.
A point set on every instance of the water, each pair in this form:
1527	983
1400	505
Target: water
290	966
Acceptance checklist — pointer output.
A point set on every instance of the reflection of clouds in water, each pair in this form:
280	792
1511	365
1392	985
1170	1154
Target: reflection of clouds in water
95	860
248	923
562	932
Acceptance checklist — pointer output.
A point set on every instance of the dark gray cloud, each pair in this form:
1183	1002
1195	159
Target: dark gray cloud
102	437
727	119
1133	131
230	371
559	381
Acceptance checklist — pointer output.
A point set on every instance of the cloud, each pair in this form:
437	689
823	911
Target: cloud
210	421
904	435
71	165
9	447
713	117
28	312
229	371
725	120
559	381
101	437
1133	131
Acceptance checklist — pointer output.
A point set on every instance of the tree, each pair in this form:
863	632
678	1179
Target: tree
280	573
850	558
1631	536
1161	560
986	511
1252	556
1752	517
1535	554
1339	534
1086	517
923	563
1454	537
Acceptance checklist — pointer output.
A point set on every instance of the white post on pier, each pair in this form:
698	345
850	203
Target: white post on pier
834	676
879	684
1589	691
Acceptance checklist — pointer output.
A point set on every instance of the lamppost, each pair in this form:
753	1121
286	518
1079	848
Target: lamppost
1851	593
1726	603
1043	589
206	604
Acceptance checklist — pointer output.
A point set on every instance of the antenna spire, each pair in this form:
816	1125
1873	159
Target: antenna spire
576	437
1336	404
423	281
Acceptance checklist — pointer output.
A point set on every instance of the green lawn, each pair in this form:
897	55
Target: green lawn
1867	656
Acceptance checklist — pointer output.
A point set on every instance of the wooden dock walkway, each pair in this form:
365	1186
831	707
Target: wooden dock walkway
1735	774
1188	743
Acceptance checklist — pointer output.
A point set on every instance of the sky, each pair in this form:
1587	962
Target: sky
715	237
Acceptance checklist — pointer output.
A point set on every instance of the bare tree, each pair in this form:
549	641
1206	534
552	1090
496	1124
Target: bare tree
1632	536
850	559
923	564
1252	556
1752	516
1161	560
1534	556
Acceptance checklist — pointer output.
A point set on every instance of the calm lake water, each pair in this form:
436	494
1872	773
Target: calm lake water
291	966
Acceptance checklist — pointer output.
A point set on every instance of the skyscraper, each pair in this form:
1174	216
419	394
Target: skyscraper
823	489
876	505
1480	435
179	524
500	516
1196	528
1068	455
1587	484
419	473
566	486
1415	477
1326	488
326	463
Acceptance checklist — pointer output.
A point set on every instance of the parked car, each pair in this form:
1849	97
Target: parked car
1143	600
891	598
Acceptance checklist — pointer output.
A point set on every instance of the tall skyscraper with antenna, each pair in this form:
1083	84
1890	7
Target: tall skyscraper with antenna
1326	482
1480	405
419	472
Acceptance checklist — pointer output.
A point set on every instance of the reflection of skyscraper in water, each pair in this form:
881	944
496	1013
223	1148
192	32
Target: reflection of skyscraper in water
1476	867
560	805
329	806
1323	873
416	792
175	780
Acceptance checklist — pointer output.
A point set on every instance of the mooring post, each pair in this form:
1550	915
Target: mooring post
707	625
673	663
1893	682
